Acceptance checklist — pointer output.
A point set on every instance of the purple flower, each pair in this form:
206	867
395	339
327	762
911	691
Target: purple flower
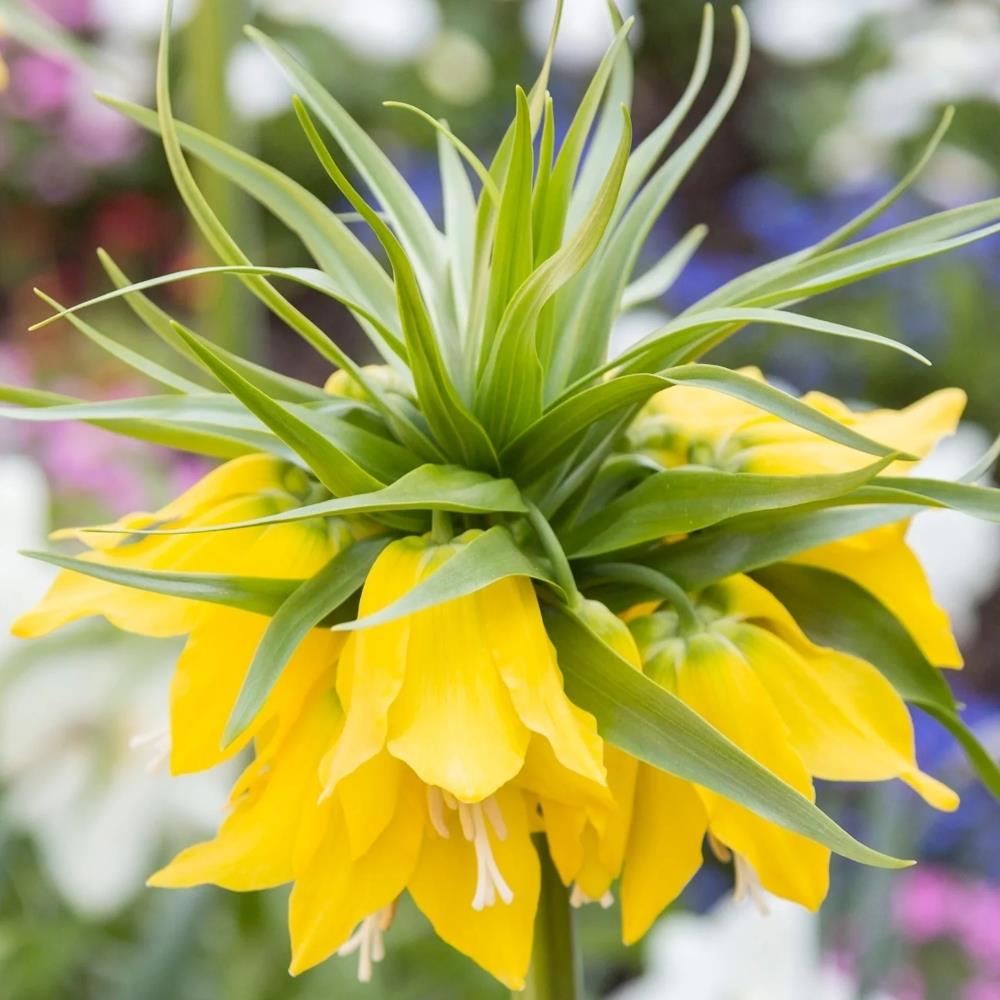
39	85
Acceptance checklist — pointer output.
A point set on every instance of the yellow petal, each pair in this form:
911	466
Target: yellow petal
373	661
882	563
333	893
664	848
845	720
253	848
210	672
497	937
368	799
718	683
453	720
512	630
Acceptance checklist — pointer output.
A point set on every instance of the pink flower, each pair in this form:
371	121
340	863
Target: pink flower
39	85
923	904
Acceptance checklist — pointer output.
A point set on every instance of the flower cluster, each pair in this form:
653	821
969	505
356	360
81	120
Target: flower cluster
506	618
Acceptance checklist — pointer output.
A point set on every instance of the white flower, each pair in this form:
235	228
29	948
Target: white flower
735	953
24	502
584	34
256	86
385	31
959	585
69	709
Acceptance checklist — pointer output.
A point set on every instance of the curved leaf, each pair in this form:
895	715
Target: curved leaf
262	596
489	557
682	500
311	604
654	725
431	487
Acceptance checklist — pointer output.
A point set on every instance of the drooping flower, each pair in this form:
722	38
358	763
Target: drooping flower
421	771
739	659
221	640
685	425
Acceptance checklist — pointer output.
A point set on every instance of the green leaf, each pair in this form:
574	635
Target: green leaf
311	604
262	596
982	502
417	233
566	422
911	238
134	360
512	388
431	487
869	215
307	276
197	439
654	725
487	558
333	464
560	186
332	245
162	324
753	541
604	140
459	226
659	279
598	305
458	431
231	253
835	611
682	500
513	254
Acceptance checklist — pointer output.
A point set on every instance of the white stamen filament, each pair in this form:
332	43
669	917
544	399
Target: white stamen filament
435	809
748	885
475	819
368	941
578	898
158	739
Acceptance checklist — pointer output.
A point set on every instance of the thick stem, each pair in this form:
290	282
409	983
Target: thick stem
555	969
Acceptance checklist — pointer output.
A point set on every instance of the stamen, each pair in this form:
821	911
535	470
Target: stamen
578	898
476	819
435	809
158	739
368	941
748	885
721	852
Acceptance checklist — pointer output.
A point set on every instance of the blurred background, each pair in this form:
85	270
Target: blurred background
839	99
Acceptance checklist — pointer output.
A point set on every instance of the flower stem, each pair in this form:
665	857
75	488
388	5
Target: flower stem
441	528
555	969
561	570
659	584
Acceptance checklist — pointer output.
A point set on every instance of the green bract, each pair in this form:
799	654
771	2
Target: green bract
505	409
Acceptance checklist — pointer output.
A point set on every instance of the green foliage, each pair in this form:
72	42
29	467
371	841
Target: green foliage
504	407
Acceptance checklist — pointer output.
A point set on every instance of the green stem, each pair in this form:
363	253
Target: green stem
560	564
555	969
687	618
441	527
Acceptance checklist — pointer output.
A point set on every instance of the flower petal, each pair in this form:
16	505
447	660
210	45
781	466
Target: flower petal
668	826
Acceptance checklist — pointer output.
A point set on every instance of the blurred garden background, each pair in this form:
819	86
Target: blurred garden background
840	99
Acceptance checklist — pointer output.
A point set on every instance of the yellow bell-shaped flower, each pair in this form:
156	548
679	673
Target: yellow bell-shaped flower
221	641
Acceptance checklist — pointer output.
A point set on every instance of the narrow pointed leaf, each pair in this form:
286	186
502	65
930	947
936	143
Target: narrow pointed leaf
261	595
489	557
431	487
682	500
307	607
654	725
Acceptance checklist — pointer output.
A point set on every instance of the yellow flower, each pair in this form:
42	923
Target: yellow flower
464	692
686	425
221	640
799	709
454	727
